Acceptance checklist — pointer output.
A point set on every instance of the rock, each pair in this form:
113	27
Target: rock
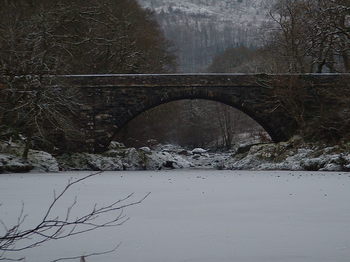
114	145
220	166
85	161
313	164
40	161
169	164
77	161
268	156
101	163
184	152
158	160
116	153
43	161
332	167
17	168
242	149
346	168
196	157
146	149
134	159
199	151
13	164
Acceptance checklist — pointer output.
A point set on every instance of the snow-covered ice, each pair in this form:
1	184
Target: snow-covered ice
198	215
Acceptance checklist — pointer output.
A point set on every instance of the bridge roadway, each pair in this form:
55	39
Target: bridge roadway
111	101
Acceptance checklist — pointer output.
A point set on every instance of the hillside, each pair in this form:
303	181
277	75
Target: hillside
201	29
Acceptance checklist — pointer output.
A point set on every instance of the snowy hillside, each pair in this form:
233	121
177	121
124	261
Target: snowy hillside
200	29
245	11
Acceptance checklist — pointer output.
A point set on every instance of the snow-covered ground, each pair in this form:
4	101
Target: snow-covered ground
197	215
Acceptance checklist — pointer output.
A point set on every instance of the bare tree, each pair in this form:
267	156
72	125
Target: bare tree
321	113
311	35
39	111
40	38
52	227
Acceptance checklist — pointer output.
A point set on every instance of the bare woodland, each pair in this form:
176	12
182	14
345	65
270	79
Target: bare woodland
39	38
303	36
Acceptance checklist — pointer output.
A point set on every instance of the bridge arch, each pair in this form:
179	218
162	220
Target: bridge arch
243	109
172	122
118	106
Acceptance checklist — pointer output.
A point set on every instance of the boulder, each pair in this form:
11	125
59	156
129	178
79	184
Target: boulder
43	161
114	145
313	164
199	151
184	152
145	149
134	159
85	161
13	164
160	160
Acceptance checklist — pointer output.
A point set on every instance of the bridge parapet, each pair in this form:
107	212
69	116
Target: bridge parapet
194	80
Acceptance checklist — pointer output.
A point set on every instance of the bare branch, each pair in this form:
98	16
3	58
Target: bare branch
89	255
55	228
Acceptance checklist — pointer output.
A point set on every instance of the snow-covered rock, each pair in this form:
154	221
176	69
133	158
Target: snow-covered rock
313	164
13	164
43	161
161	160
292	155
85	161
114	145
199	151
134	160
118	158
146	149
11	160
184	152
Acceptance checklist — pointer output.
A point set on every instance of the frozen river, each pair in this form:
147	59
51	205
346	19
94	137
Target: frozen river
197	216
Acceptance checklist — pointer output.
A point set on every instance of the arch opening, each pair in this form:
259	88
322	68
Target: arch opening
192	123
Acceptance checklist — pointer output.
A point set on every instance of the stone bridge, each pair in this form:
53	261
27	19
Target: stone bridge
111	101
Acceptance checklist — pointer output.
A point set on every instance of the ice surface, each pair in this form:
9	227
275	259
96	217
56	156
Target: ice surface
197	215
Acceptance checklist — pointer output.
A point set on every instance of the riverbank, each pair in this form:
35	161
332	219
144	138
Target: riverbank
293	155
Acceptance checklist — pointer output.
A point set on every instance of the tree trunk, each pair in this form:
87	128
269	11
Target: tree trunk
27	147
320	66
346	61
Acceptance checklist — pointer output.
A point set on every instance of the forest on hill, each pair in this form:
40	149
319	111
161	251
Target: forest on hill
202	29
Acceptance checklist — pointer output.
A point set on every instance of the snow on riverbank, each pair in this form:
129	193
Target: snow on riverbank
198	215
292	155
